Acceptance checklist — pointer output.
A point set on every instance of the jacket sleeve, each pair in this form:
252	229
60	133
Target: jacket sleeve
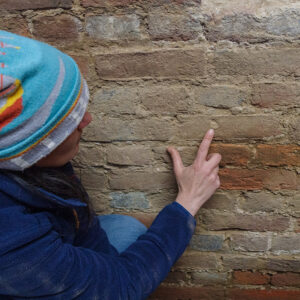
35	263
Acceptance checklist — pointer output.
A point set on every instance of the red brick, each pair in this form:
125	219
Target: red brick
172	63
57	28
275	93
251	278
34	4
236	155
286	279
237	294
220	221
244	179
188	293
278	155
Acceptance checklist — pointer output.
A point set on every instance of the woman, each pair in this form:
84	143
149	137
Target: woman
52	245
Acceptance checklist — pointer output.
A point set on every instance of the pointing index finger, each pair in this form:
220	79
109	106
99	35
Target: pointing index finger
204	146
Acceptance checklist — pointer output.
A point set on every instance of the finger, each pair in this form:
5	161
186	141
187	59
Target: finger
214	160
204	147
176	159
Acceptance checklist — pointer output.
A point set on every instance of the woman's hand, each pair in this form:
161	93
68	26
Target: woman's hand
197	182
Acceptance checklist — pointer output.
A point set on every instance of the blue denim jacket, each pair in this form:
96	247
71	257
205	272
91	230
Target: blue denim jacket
43	255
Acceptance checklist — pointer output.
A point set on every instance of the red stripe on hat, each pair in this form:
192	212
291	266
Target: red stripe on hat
11	113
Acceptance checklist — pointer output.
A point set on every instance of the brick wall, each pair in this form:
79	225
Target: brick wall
161	73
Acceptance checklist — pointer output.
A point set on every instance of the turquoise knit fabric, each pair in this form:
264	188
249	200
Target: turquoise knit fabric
42	100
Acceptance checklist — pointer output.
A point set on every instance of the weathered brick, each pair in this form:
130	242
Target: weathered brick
199	261
34	4
273	179
206	278
113	28
235	155
249	242
93	179
283	265
188	293
233	262
261	201
15	24
133	200
272	94
100	202
202	242
83	64
278	155
109	129
57	28
222	201
219	96
294	205
238	294
264	61
251	278
176	277
286	243
295	130
247	127
129	155
165	26
140	180
106	3
286	279
90	155
163	63
220	221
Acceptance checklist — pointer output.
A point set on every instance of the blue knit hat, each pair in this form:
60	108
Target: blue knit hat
43	98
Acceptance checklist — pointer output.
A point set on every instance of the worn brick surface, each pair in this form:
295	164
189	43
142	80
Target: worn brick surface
34	4
237	294
206	242
251	278
249	242
286	279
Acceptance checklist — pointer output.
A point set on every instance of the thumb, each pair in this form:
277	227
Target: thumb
176	159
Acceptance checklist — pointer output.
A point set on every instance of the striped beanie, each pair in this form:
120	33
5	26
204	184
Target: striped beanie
43	98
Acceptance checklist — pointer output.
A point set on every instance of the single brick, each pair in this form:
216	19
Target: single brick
220	221
174	27
56	28
235	155
249	242
295	130
278	155
90	155
113	27
238	294
34	4
272	94
250	278
133	200
264	61
93	179
273	179
286	243
234	262
283	265
129	155
106	3
261	201
207	278
162	63
222	201
219	96
185	293
141	180
199	261
176	277
294	205
202	242
286	279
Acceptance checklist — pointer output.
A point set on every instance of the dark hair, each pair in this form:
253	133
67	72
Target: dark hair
55	181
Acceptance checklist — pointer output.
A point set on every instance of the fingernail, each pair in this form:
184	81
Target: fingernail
210	131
